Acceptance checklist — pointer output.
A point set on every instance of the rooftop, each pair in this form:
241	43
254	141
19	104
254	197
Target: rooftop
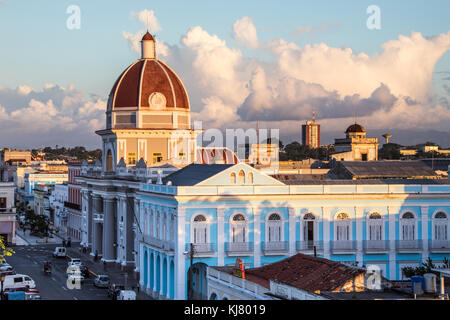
305	272
195	173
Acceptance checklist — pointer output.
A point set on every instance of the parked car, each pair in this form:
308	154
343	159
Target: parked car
102	281
114	287
127	295
18	281
60	252
5	267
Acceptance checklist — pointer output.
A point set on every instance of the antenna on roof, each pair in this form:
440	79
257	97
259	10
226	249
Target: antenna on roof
314	116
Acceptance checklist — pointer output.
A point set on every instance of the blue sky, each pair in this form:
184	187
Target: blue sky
37	49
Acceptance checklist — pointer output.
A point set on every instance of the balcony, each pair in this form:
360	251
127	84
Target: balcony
376	246
343	246
238	248
439	246
201	248
98	217
308	246
407	246
275	247
72	205
8	210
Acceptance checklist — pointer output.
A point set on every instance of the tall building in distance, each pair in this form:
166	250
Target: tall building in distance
311	133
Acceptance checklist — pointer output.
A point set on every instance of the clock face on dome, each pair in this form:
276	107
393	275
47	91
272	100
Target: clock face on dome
157	101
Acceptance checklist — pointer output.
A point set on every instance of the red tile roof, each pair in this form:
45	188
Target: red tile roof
305	272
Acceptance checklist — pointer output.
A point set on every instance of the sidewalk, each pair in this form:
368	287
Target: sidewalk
24	238
118	276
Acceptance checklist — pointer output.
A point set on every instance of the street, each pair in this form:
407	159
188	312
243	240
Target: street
29	260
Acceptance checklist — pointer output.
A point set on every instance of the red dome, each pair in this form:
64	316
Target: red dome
143	78
355	128
148	36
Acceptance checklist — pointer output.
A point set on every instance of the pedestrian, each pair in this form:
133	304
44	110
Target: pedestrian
64	243
96	255
104	265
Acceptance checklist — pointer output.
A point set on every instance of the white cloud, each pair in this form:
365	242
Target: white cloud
148	18
244	31
52	115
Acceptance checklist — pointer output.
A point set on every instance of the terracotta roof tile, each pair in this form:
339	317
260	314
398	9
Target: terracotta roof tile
305	272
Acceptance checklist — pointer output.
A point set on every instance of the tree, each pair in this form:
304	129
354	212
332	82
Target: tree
4	251
390	151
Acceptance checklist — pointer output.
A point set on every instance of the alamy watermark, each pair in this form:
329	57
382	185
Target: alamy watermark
73	22
374	20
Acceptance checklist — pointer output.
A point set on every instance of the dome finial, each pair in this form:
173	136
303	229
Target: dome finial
148	46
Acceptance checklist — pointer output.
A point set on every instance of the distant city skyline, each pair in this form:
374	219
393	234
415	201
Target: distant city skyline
241	62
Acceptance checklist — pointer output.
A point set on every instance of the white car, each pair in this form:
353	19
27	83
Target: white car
75	262
75	276
5	267
18	281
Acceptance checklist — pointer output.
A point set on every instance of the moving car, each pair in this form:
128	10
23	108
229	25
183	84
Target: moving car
102	281
76	276
59	252
18	281
75	262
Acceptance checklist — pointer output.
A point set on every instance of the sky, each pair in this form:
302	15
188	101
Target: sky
274	62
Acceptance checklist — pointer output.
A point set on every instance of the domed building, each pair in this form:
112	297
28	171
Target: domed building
148	115
356	146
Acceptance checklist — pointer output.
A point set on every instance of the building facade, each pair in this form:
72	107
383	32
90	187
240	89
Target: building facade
311	134
74	202
57	200
240	212
7	212
356	146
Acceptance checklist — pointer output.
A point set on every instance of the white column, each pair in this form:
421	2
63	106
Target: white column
257	237
392	250
359	216
425	236
139	213
180	258
326	232
220	236
292	248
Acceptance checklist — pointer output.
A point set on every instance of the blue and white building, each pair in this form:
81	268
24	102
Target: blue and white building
141	211
230	211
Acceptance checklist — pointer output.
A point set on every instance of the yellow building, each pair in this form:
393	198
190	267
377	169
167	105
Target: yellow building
356	146
148	115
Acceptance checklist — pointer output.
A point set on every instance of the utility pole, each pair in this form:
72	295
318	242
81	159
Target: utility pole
191	271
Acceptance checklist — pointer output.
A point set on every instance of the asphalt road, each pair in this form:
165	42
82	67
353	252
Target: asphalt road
30	260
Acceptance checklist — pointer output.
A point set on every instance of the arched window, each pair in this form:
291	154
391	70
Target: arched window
408	226
375	227
109	161
233	178
250	177
238	228
342	227
440	226
241	177
274	228
199	230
